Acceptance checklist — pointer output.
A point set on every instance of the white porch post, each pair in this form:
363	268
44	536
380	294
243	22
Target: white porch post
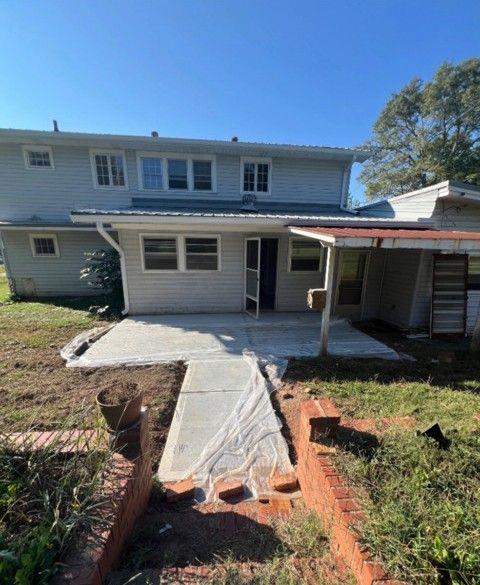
330	265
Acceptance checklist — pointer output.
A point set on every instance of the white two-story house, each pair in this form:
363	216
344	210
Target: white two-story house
207	226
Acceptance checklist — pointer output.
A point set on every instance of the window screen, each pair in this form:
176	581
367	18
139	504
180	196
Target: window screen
177	174
306	256
351	278
202	175
201	253
44	246
160	253
152	173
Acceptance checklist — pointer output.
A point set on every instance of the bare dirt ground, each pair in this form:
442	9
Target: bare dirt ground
36	389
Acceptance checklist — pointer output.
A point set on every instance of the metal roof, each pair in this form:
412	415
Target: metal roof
373	237
148	207
191	145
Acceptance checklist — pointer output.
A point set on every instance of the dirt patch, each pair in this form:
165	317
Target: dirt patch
118	393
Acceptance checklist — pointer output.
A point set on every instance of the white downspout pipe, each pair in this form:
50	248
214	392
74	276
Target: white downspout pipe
115	245
345	186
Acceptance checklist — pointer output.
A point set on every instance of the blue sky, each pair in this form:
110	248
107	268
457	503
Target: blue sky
307	72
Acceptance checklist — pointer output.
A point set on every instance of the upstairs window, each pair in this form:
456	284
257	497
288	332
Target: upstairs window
44	245
152	173
177	174
109	169
160	253
201	253
306	255
256	176
38	157
202	175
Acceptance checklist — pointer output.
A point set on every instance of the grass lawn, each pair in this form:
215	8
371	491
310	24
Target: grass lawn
422	503
37	389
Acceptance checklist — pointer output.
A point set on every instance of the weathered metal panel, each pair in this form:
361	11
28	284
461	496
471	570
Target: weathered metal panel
449	294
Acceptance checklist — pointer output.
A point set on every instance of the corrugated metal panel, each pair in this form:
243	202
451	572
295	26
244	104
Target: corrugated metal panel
449	294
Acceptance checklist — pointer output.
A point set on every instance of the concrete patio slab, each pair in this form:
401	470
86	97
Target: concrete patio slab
146	339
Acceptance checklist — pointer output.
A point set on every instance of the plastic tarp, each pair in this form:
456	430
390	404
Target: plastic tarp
225	428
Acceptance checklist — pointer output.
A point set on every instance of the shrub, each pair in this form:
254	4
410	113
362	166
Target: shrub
102	271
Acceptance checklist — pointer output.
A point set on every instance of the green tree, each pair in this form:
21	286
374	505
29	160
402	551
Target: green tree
427	133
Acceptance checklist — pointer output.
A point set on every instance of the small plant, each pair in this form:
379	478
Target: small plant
46	499
102	271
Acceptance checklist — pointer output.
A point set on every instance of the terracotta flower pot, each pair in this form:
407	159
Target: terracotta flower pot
123	415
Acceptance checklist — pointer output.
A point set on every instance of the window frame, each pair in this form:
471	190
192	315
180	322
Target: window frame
321	263
33	236
256	161
181	252
175	237
26	148
219	254
108	152
164	157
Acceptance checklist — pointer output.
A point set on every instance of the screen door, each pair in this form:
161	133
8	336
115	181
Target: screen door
252	276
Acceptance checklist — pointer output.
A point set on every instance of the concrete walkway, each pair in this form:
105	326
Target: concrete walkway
147	339
224	426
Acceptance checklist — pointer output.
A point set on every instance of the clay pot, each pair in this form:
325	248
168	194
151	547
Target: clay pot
121	416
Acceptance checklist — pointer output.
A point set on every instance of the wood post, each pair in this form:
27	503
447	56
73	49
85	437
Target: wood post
330	266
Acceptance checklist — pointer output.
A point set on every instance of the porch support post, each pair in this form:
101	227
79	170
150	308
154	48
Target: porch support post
329	268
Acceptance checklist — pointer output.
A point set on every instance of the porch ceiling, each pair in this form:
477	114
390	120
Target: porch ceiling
429	239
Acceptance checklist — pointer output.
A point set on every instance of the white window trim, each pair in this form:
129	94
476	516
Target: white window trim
181	252
164	156
108	151
321	263
44	236
252	159
37	148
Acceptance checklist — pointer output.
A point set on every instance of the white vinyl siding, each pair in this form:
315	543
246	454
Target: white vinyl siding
45	276
53	195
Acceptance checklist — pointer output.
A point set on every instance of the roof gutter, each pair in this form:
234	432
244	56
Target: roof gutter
116	246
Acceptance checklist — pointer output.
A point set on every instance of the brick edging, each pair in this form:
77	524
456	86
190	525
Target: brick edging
326	491
125	492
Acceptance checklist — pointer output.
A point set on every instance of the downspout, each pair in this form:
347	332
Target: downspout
6	263
115	245
345	185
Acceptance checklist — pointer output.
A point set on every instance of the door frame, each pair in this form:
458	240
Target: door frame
245	295
364	283
277	276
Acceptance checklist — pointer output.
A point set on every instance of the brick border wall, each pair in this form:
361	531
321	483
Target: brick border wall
326	491
124	495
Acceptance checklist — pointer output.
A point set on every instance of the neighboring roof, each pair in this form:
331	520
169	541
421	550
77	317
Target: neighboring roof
222	209
373	237
443	189
190	145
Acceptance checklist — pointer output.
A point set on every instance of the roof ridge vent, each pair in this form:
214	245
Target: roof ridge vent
234	139
154	134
